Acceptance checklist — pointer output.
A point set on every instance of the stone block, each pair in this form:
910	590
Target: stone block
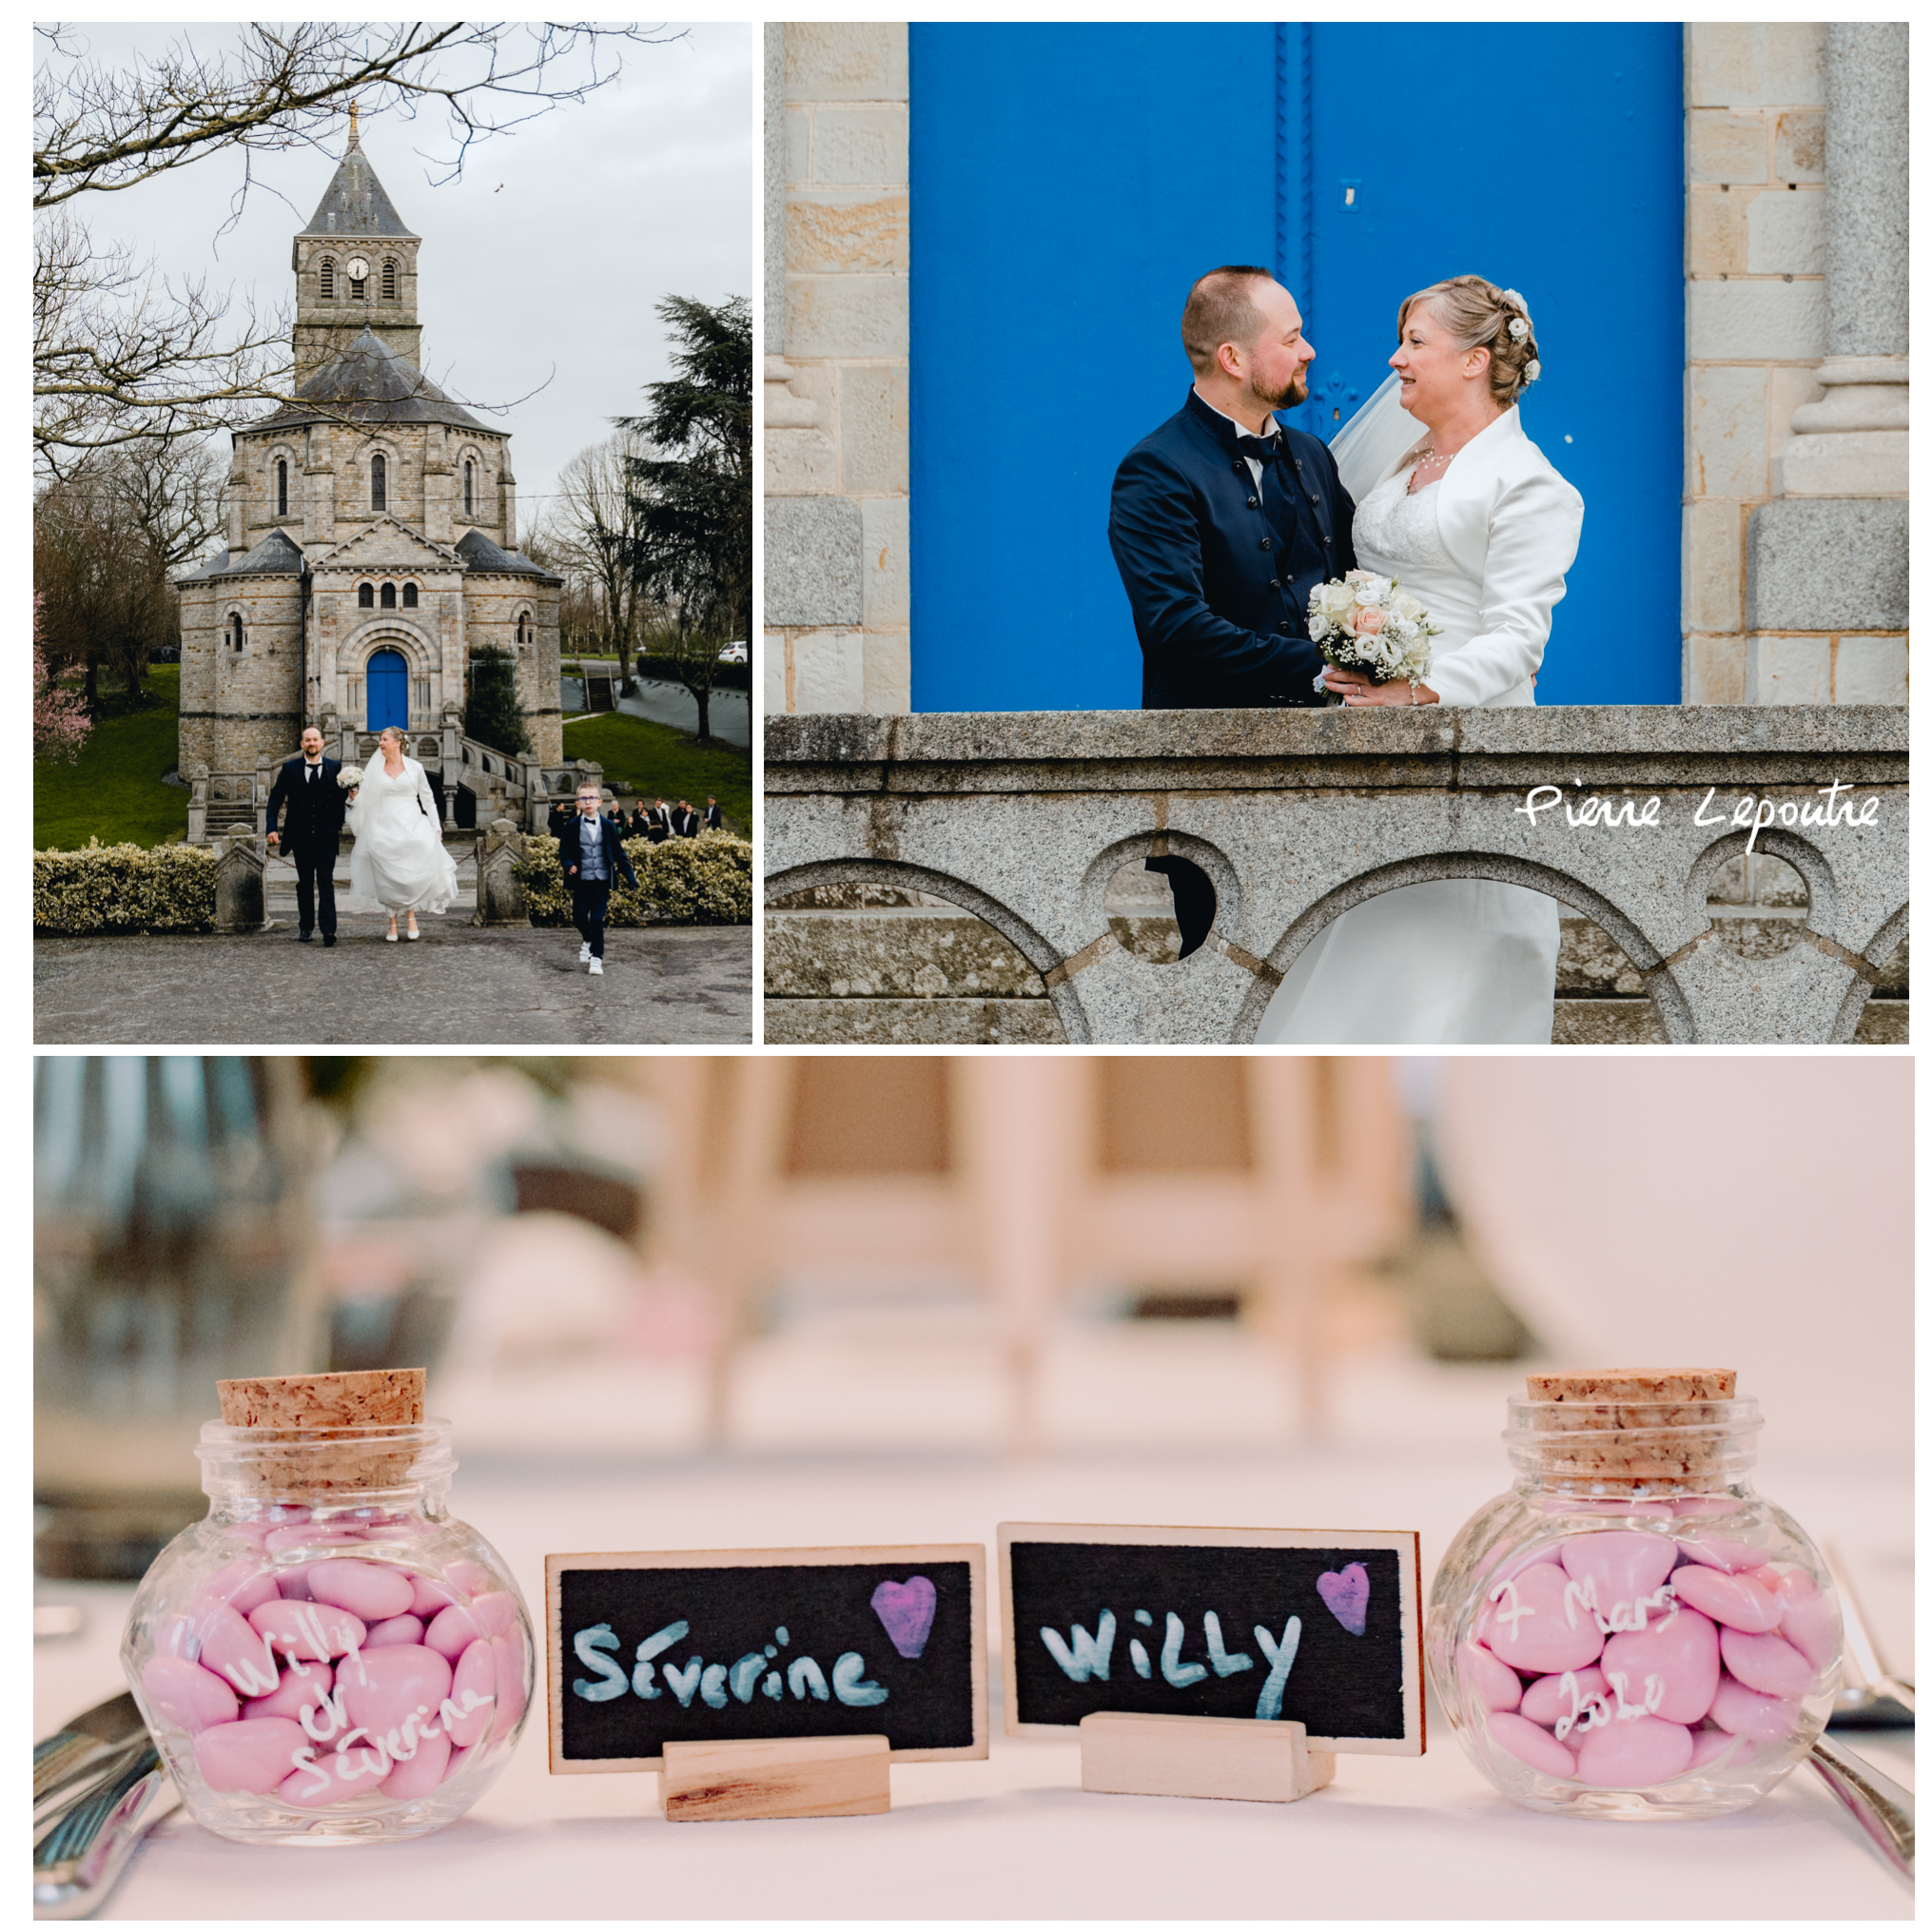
912	1023
859	145
240	899
888	525
1884	1023
1791	389
888	673
848	231
875	410
1607	1022
1726	453
1870	670
1857	462
827	671
812	560
1746	64
1713	566
797	145
863	60
1785	232
1895	974
1820	564
1713	670
1722	147
1713	232
1787	670
852	316
500	897
773	657
1798	146
800	462
1755	322
892	953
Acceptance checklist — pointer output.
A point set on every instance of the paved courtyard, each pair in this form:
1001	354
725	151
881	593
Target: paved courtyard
459	985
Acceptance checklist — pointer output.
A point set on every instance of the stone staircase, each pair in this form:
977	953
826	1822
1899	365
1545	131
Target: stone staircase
278	881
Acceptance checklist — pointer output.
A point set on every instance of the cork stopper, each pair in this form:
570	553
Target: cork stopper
312	1409
1629	1426
358	1398
1635	1385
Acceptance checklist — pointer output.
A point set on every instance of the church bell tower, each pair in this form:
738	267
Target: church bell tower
355	268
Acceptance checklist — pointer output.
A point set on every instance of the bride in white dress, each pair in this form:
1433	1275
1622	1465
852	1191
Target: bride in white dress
398	863
1477	524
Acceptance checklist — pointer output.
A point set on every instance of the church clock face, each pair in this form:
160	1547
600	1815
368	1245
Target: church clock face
359	269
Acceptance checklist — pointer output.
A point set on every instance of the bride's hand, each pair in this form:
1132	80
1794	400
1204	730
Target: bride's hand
1358	690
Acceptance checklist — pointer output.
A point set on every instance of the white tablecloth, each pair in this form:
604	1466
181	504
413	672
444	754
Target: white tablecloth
1015	1836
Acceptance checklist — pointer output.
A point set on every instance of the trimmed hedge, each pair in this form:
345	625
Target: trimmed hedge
124	888
705	881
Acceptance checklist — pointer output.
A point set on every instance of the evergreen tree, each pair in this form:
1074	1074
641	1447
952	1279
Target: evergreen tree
495	714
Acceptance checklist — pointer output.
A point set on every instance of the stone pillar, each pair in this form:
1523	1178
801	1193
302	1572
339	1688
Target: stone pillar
318	489
239	902
238	508
1852	443
500	897
1826	603
836	396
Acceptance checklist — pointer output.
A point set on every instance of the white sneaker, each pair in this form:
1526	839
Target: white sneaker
597	966
583	953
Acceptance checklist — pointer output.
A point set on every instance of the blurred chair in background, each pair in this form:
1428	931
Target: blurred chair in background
1267	1180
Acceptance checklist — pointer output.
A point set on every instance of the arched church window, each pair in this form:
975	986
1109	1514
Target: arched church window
281	487
388	596
523	627
389	280
378	482
365	598
328	278
409	597
235	633
469	488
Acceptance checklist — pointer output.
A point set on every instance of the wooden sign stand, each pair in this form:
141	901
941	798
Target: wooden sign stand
787	1777
1164	1755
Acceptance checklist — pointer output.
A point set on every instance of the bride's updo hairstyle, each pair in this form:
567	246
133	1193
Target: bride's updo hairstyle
397	732
1478	315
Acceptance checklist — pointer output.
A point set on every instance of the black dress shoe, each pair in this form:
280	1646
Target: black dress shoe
303	937
328	939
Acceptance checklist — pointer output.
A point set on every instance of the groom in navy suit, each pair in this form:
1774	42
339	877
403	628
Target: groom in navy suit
1223	521
316	806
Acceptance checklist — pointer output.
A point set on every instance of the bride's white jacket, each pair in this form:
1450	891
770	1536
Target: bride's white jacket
1511	524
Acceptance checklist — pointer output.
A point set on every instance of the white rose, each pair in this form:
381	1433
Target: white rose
1333	601
1373	590
1532	369
1519	328
1406	604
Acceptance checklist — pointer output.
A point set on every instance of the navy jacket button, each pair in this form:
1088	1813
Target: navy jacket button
1254	502
1268	543
1284	625
1273	583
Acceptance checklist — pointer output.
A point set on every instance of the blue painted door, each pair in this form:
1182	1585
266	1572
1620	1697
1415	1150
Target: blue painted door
389	690
1070	182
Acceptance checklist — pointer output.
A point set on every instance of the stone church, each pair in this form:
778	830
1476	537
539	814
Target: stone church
372	526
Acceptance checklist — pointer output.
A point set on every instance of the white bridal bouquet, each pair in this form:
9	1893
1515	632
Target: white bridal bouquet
1368	623
349	777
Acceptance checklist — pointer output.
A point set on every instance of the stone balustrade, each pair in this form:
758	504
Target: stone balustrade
1025	820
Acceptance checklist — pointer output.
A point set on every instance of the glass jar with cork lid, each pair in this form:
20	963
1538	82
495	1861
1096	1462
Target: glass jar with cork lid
1631	1631
329	1656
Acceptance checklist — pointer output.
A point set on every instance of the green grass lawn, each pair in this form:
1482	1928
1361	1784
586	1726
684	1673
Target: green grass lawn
661	760
113	792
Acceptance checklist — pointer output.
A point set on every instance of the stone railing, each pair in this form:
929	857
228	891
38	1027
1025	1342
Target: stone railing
522	789
1023	819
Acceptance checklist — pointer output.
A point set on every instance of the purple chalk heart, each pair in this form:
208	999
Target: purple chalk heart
906	1609
1346	1594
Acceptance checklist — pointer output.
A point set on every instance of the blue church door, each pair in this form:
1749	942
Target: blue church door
388	679
1070	181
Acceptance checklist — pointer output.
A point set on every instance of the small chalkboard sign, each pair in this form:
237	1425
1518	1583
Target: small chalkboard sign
707	1646
1321	1626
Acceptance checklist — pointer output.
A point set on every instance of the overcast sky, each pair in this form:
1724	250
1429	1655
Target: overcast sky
545	261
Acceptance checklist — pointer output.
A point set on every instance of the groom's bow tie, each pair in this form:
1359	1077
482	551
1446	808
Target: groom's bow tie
1260	449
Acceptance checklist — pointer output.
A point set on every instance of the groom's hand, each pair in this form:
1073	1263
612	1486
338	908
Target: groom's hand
274	837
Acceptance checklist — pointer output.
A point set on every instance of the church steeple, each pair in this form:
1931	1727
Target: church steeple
355	268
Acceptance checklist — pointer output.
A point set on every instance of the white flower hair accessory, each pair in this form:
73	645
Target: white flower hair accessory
1532	369
1519	328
